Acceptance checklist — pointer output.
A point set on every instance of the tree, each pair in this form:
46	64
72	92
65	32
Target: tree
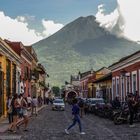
56	90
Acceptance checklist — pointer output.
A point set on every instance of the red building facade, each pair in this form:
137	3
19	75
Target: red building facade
26	64
126	76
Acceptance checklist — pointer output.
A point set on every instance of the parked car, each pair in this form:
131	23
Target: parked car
58	104
100	107
93	102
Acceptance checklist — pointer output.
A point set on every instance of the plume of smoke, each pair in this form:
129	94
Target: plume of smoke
123	21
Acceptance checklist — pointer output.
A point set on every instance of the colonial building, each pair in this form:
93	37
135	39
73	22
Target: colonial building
34	73
93	87
84	81
9	74
126	76
104	85
26	59
41	80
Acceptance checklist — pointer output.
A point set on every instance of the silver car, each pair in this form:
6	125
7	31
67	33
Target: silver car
58	104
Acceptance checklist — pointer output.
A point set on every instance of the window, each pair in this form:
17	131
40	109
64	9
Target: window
117	93
134	83
122	89
127	84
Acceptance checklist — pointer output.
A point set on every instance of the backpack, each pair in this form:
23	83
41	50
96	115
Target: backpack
81	103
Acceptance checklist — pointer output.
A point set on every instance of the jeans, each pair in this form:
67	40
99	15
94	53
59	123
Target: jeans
10	117
76	120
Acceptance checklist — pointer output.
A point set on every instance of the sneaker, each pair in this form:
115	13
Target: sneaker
82	133
66	131
132	125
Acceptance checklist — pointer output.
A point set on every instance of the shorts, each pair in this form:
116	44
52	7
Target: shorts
25	112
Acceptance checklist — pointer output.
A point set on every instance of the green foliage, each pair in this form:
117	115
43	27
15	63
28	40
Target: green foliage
42	83
56	90
80	45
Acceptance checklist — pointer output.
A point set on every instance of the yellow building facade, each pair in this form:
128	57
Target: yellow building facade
92	86
9	68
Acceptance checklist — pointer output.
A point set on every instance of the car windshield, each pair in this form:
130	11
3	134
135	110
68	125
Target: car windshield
100	101
97	101
58	101
93	102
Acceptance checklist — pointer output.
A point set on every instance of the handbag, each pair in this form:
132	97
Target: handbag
9	110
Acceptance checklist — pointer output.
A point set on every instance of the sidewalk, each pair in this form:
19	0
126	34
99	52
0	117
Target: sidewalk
4	123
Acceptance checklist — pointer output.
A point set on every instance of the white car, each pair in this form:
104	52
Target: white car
58	104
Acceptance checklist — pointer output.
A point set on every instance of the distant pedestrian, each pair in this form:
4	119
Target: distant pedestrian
47	97
29	100
85	108
34	105
76	118
40	100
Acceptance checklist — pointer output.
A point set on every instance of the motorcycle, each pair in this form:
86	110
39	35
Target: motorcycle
123	116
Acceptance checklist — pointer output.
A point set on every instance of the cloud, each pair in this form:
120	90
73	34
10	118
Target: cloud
107	21
18	29
50	27
124	20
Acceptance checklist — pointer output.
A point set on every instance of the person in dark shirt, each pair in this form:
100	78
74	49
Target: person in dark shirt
81	105
76	117
116	103
131	105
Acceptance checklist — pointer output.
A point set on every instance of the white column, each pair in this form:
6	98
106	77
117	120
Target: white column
134	73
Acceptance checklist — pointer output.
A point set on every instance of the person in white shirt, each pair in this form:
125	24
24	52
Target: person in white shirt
29	100
34	105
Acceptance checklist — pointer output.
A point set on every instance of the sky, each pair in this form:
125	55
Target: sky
32	20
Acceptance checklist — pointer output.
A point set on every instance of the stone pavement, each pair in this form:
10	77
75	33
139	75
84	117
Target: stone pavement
50	125
4	122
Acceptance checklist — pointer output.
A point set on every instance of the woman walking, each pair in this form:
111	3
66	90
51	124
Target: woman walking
24	107
76	118
15	106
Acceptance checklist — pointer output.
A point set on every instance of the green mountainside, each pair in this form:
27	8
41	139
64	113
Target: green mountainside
81	45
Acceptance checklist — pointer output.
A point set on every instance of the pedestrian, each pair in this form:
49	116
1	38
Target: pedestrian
76	118
116	103
15	105
40	100
136	107
47	96
85	107
81	105
19	109
24	106
131	105
9	107
34	105
29	100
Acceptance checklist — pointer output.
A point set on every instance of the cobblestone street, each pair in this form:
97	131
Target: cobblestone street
50	125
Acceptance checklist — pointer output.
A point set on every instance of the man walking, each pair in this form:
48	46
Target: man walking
76	118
